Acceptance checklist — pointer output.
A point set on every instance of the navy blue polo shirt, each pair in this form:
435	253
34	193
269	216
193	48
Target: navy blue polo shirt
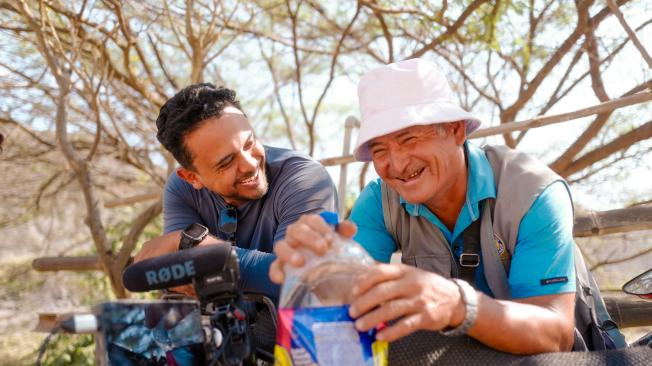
298	185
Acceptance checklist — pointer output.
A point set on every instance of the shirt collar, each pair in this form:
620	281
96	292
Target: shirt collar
480	182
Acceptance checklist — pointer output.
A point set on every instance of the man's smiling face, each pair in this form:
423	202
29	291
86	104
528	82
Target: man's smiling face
227	158
422	163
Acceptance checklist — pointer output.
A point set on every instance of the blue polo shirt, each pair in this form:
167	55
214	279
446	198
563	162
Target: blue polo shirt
544	246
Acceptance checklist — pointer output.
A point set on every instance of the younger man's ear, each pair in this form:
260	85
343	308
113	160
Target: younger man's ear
189	176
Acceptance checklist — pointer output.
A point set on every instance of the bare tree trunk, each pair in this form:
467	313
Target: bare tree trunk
79	166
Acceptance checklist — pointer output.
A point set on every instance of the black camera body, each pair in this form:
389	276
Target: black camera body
221	286
221	299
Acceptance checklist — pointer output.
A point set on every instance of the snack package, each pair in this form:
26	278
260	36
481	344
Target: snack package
314	326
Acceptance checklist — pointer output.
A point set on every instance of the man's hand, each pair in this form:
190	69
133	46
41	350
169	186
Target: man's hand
310	232
169	243
420	299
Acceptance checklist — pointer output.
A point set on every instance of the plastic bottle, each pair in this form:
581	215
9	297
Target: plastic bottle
314	326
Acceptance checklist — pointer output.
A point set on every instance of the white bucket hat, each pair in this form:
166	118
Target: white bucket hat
403	94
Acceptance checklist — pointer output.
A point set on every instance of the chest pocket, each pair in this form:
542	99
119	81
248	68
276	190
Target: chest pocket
425	247
436	263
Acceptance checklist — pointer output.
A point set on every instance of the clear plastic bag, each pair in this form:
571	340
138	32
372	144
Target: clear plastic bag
325	280
314	325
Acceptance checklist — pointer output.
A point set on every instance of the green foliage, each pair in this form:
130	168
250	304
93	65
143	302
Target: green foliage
78	350
18	278
95	288
117	231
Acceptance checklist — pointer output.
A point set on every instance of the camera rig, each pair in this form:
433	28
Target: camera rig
229	317
230	339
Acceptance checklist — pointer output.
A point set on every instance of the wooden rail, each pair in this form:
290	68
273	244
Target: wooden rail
614	221
147	196
75	264
590	224
629	312
539	121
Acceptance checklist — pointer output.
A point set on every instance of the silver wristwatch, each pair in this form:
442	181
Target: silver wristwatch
470	298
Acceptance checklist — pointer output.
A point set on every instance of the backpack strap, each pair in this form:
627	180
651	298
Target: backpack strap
592	320
470	258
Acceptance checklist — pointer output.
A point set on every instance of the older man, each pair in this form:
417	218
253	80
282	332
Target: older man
496	220
229	186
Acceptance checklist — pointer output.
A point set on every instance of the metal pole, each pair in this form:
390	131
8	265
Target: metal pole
349	124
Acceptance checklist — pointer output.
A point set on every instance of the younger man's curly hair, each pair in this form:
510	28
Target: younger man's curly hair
185	112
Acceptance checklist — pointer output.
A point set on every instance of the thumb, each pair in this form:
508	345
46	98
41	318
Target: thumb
347	229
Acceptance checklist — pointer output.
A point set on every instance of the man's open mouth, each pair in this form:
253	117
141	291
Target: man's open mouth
414	175
251	179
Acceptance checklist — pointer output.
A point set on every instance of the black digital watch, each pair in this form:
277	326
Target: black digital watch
192	235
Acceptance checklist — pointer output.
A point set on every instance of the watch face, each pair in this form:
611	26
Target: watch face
195	231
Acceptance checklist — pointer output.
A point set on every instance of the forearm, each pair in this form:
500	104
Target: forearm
521	328
165	244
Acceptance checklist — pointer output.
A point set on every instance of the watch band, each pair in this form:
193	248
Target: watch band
470	298
188	241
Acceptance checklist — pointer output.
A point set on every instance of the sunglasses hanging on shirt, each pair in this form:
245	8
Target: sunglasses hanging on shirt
228	222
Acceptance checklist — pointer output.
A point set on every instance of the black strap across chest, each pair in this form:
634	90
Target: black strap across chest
470	258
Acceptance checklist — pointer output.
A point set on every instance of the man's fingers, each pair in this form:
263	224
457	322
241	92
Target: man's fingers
377	295
346	229
276	273
304	235
309	232
286	254
377	274
390	310
401	328
318	224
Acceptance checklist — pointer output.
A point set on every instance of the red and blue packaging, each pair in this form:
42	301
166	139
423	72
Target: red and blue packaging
325	336
314	326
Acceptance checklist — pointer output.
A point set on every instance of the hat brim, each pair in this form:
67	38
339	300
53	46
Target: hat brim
388	121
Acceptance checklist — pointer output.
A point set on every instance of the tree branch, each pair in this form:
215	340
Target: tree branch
598	87
468	10
630	33
620	143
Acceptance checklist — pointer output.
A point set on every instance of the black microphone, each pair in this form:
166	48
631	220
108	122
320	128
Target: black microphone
177	268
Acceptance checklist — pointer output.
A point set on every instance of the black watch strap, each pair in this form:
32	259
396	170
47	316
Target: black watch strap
186	243
192	235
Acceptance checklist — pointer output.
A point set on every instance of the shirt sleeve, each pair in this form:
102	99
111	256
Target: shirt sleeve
179	208
254	273
305	189
367	214
542	262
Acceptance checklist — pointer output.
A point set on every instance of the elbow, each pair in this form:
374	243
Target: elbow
560	338
567	339
567	327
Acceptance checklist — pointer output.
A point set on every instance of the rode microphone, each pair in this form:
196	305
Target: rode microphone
179	268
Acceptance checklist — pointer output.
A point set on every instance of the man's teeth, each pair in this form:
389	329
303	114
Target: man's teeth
249	180
417	172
